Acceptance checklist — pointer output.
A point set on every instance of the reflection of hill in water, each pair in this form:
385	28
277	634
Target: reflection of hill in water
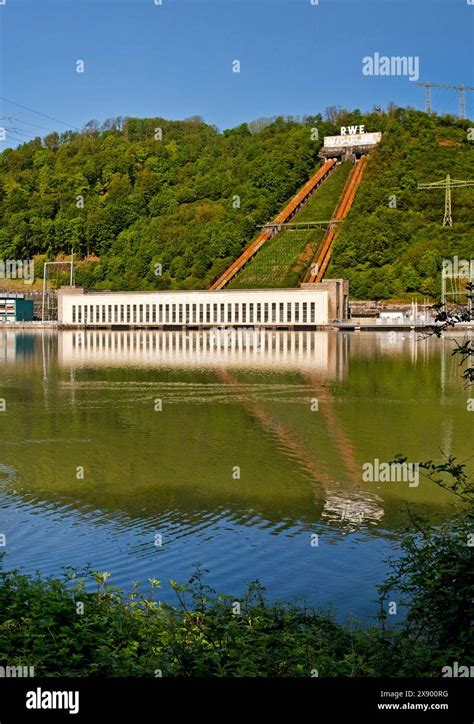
222	408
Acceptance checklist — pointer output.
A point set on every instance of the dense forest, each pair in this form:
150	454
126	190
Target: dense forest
156	204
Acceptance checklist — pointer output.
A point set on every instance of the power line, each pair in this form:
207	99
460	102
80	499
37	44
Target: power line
32	110
26	136
12	134
28	123
15	132
16	138
19	131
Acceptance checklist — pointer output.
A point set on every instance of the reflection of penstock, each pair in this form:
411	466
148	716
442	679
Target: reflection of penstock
365	504
362	505
338	434
291	441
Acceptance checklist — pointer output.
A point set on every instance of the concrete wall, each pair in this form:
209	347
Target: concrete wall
338	297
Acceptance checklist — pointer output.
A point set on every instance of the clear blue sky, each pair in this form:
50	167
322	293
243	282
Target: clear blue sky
175	60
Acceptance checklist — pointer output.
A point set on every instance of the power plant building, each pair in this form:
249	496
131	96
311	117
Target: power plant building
312	306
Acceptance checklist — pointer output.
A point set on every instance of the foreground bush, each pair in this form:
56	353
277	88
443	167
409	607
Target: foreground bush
135	636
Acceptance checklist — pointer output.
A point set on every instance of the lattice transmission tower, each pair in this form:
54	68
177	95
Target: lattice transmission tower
462	95
448	184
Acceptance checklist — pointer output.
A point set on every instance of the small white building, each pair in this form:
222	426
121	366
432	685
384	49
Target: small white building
315	305
353	141
395	316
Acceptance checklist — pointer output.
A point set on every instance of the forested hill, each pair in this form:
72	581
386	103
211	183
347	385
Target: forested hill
190	201
190	198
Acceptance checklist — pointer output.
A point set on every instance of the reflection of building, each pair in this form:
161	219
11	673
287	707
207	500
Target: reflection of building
7	346
14	345
352	508
319	351
275	308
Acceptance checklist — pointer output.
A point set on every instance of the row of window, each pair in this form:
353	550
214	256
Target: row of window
225	313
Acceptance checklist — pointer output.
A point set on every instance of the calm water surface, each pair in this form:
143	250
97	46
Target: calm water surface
87	400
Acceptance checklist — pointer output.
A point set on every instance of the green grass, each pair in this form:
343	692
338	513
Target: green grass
322	204
279	263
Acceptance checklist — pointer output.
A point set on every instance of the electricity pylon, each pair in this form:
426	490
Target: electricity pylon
448	184
462	95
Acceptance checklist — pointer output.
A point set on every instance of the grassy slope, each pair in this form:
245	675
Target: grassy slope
284	258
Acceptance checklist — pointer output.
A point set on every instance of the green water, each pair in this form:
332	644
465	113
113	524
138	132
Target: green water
112	441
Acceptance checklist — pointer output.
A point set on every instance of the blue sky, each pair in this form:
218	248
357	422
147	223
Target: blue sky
175	60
